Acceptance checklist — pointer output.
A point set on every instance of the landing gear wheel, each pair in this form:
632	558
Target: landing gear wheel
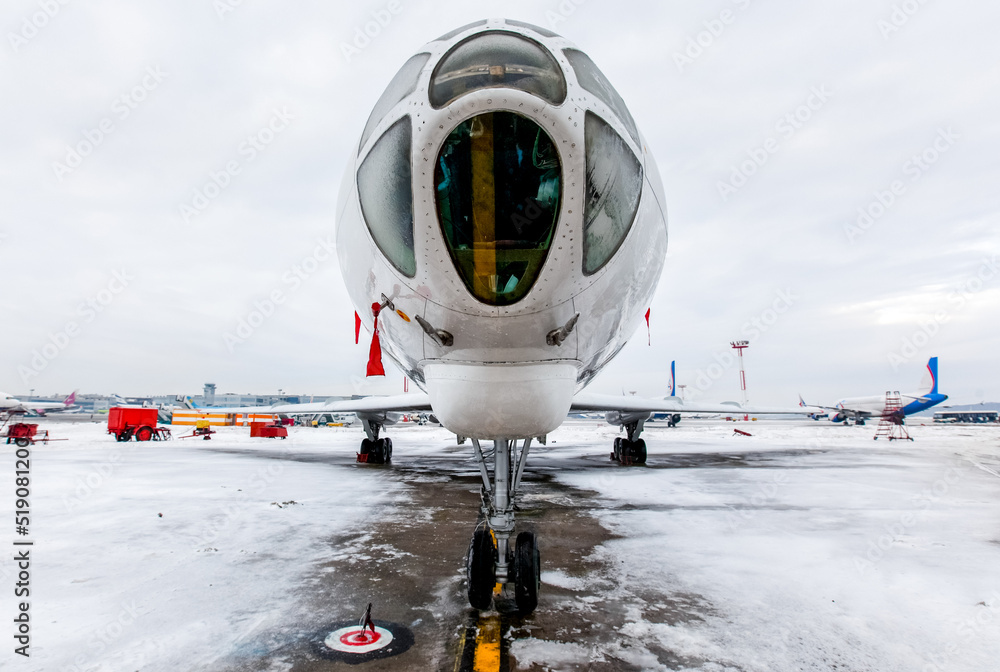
481	569
22	443
637	452
144	434
528	569
388	449
616	454
365	453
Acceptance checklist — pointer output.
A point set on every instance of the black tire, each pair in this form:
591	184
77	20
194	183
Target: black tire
143	434
22	442
125	434
388	450
616	455
366	447
481	569
637	452
528	578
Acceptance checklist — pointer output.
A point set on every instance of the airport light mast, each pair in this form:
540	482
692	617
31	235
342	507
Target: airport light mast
739	347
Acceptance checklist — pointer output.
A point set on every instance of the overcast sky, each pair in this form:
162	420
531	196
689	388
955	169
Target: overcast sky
131	297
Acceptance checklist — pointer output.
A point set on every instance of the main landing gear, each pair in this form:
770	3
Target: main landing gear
491	560
630	450
373	449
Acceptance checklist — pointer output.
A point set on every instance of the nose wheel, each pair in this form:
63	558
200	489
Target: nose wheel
491	560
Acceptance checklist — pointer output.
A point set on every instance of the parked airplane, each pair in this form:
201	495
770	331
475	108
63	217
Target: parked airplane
11	405
859	409
501	229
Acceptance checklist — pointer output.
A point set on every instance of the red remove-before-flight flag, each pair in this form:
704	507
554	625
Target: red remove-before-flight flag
649	338
375	351
357	328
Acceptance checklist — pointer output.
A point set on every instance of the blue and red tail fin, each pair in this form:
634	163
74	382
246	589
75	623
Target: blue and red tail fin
929	384
673	378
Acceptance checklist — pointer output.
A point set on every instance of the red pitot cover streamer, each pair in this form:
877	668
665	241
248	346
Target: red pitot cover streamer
375	352
649	338
357	328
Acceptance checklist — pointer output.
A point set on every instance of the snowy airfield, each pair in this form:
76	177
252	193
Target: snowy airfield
807	546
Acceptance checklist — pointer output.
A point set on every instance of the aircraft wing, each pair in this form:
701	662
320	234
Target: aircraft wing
588	401
399	403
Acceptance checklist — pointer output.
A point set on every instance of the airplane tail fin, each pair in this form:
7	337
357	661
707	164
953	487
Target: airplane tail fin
71	399
802	402
929	384
673	378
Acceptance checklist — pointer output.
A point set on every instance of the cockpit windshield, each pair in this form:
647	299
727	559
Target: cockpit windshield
498	185
497	59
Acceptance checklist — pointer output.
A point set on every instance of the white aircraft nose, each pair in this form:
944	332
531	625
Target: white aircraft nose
483	401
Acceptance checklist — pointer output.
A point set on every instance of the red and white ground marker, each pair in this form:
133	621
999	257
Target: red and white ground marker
352	639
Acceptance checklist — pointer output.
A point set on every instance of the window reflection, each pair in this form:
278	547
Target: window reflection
497	60
498	191
614	185
386	193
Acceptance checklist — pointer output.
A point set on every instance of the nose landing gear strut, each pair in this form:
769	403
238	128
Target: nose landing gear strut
491	560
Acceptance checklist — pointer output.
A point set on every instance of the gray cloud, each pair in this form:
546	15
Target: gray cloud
61	241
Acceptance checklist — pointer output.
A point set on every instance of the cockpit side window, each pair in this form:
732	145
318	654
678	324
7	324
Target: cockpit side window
593	80
385	189
498	186
402	85
497	59
614	185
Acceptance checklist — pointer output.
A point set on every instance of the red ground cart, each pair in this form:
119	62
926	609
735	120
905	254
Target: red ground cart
126	421
24	434
268	430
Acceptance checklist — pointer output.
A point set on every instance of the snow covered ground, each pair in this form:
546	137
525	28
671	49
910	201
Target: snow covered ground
807	546
167	555
811	547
